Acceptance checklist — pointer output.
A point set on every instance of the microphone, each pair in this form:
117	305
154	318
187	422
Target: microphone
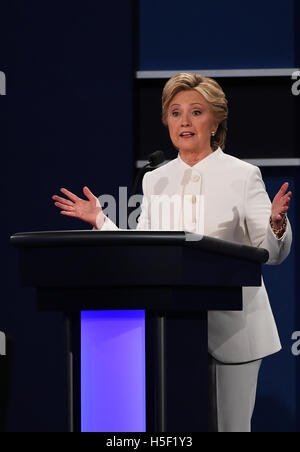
154	159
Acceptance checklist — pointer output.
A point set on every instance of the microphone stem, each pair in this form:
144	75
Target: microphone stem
138	177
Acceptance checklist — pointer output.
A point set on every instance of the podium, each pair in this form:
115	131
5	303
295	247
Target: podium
171	279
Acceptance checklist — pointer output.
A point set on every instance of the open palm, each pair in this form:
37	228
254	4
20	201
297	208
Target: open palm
86	210
280	204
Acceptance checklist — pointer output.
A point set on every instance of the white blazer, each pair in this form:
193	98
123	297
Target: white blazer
223	197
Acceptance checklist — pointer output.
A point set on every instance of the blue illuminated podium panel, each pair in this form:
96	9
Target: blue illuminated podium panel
113	371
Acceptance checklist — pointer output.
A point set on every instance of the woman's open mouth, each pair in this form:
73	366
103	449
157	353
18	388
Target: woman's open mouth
187	134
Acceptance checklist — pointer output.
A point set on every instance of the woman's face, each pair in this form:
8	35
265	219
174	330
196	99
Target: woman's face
191	121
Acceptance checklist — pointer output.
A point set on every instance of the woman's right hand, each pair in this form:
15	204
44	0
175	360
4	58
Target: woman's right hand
86	210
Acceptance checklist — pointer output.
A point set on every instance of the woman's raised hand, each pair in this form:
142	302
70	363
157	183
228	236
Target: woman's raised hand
281	204
86	210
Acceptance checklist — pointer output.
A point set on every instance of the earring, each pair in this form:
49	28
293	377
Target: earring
213	134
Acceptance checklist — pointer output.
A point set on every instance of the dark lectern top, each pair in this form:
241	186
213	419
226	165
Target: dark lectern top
88	238
112	267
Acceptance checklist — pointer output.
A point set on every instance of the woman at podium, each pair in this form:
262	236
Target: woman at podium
221	196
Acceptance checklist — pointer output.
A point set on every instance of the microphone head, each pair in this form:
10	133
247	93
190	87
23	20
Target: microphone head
156	158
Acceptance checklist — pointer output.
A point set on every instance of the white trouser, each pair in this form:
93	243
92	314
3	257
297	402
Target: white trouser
232	395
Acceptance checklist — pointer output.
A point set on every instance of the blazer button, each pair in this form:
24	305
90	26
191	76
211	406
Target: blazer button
194	199
196	178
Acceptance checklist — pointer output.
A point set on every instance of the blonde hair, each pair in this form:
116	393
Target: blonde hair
210	90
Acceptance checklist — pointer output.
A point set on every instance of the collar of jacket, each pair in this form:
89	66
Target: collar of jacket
209	159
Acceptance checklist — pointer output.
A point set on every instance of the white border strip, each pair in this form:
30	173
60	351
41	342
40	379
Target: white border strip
272	72
274	162
257	162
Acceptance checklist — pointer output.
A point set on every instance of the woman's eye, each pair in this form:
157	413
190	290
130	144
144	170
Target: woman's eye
175	114
197	112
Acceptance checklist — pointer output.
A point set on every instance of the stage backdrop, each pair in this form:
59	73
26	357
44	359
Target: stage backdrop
263	123
67	121
69	96
216	35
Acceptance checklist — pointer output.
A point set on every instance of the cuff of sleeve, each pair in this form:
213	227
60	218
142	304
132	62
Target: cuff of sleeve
99	221
279	239
99	224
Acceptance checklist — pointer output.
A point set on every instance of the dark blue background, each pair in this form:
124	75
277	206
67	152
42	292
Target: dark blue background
68	120
216	35
277	405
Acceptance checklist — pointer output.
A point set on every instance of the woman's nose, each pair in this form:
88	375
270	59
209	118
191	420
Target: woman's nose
185	120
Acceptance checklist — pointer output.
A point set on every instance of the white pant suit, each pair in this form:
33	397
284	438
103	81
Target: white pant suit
223	197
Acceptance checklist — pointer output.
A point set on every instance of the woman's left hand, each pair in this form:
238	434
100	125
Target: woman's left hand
280	206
